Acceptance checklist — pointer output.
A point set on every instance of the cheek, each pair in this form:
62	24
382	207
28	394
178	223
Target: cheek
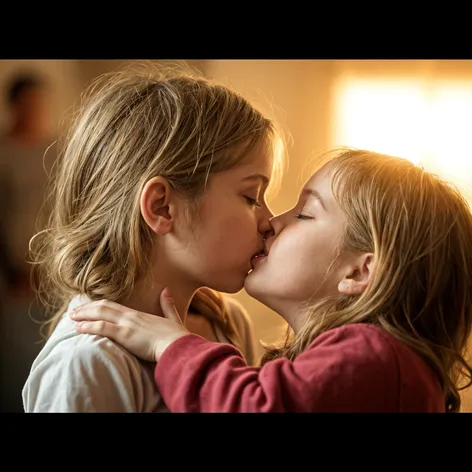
222	249
300	261
230	227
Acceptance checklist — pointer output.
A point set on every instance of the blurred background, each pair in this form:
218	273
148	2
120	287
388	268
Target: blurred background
418	109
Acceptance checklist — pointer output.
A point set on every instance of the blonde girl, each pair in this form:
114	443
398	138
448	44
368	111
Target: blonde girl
161	182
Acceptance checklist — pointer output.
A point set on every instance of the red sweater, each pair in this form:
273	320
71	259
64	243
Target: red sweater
354	368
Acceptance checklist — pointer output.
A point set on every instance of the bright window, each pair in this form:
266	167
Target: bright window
428	123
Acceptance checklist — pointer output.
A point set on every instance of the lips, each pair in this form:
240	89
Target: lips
258	257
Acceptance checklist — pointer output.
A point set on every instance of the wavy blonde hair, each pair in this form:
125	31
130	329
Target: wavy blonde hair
419	228
135	124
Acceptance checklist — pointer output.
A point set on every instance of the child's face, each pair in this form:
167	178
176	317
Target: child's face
301	250
230	227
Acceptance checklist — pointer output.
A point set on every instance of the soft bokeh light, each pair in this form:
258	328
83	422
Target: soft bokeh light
451	130
427	123
385	116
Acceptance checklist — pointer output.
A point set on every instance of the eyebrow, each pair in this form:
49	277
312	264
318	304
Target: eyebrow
258	176
313	193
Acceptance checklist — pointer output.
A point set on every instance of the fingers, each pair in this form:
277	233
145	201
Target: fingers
101	303
168	307
99	310
102	328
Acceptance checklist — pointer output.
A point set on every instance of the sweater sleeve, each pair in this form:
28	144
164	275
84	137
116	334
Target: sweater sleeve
352	368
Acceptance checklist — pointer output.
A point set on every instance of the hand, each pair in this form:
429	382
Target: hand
144	335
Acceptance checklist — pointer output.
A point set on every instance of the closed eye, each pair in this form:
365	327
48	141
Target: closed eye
301	216
252	201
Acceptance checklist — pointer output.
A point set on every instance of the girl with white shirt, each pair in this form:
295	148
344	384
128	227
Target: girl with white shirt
161	182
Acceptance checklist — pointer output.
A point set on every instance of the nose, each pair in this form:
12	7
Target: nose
276	224
274	227
264	220
268	233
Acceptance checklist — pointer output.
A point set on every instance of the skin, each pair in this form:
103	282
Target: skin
213	250
302	261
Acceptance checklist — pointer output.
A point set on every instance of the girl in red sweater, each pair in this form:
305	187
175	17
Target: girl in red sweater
372	270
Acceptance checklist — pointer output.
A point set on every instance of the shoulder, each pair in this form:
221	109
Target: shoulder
67	347
67	344
368	359
356	333
361	344
353	357
350	368
79	372
365	361
86	350
369	344
72	353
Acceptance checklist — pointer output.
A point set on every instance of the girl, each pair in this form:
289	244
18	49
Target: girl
162	181
372	270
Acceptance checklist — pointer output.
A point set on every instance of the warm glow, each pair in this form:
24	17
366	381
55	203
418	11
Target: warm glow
451	131
430	124
371	115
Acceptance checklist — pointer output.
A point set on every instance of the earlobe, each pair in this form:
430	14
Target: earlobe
155	205
351	287
357	276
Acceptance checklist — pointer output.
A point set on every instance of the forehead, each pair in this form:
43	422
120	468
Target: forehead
321	181
259	160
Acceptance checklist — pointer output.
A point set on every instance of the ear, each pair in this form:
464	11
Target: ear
156	205
358	275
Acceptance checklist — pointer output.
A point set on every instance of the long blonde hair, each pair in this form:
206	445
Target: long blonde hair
419	228
133	125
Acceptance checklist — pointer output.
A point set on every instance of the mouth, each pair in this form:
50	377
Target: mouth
258	257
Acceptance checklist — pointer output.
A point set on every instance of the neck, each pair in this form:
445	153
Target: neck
292	314
146	297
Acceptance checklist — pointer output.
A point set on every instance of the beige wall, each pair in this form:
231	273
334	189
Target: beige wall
411	68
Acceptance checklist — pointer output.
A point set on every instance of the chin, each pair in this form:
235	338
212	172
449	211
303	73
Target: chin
262	292
252	287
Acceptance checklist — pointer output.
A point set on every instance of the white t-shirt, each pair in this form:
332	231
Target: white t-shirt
86	373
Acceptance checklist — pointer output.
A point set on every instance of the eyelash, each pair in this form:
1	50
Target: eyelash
299	216
252	201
